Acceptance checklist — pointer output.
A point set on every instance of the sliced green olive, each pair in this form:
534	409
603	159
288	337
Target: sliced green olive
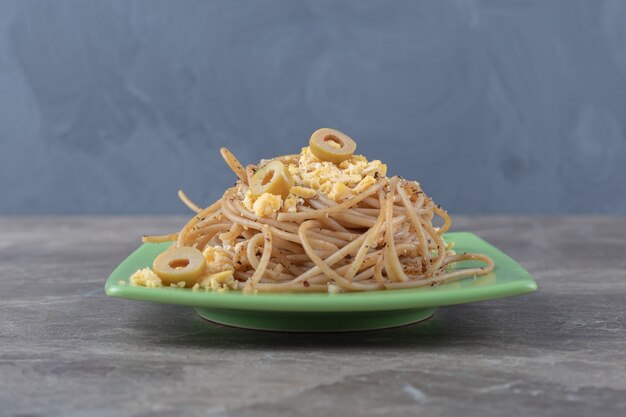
180	264
273	178
332	145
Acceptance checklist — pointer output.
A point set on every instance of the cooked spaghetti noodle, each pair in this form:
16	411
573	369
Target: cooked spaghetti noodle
318	221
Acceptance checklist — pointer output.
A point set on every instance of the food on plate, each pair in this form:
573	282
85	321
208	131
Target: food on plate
323	220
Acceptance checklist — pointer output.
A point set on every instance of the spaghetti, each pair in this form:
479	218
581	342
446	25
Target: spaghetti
325	220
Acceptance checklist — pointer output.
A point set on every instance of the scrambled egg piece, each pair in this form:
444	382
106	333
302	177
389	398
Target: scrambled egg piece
325	176
365	183
249	200
267	204
221	281
340	192
146	278
217	259
296	196
263	205
291	203
302	192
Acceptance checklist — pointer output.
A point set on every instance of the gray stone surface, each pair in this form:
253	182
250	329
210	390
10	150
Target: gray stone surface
68	350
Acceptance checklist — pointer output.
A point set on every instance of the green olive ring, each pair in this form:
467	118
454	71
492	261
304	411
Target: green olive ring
332	145
185	264
273	178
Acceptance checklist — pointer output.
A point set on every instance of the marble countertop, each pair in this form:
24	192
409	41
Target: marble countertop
68	350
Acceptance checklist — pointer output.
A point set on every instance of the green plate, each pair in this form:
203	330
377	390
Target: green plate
331	312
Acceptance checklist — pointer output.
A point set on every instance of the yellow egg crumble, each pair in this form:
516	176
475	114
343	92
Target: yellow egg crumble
145	278
312	175
217	259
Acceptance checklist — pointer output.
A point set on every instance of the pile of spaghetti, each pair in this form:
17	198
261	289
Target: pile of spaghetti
324	220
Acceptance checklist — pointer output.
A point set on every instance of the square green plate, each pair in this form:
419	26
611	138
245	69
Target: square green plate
331	312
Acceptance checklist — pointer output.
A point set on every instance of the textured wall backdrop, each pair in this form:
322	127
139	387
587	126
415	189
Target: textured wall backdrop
495	106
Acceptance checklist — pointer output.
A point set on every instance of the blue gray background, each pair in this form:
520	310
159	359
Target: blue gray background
494	106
